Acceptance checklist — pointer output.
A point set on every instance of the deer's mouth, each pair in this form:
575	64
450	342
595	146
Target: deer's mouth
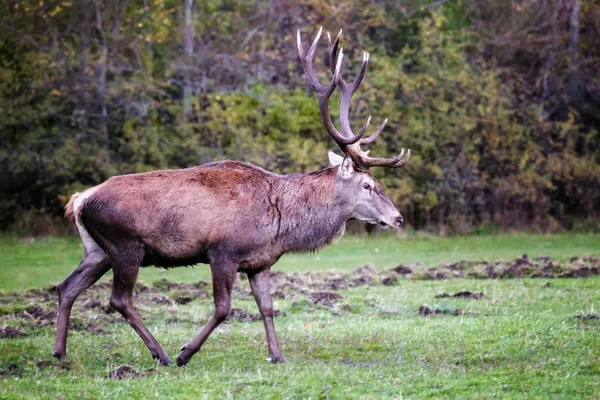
384	225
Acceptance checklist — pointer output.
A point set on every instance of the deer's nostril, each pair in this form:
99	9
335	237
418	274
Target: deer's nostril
399	220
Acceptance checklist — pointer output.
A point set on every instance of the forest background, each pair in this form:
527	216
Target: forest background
498	100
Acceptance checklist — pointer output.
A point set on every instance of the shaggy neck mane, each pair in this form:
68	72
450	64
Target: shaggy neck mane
312	210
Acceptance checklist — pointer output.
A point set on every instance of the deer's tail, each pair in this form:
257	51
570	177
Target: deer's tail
69	208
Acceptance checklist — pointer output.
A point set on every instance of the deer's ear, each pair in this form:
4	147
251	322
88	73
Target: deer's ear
334	159
346	168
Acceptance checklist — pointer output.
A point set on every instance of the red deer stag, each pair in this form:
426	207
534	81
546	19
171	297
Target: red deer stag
234	216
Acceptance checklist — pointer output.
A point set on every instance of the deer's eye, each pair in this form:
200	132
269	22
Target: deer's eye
366	186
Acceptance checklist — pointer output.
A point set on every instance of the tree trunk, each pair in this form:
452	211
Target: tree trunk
574	48
188	52
101	69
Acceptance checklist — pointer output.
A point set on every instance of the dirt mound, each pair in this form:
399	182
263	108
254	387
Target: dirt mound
37	307
90	326
41	364
425	310
587	316
403	269
128	372
463	295
38	315
12	369
237	314
10	332
326	299
521	267
89	304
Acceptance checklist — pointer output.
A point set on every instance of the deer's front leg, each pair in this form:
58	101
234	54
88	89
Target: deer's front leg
223	276
260	285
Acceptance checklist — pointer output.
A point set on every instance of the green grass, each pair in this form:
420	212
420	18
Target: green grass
50	260
520	341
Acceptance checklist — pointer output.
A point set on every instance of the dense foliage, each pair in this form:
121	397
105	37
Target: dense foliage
498	100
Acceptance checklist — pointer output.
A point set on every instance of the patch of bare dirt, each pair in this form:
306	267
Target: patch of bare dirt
183	298
461	295
315	289
521	267
9	332
587	317
38	315
291	285
389	280
90	303
326	299
403	269
355	363
128	372
425	310
13	369
107	309
91	326
43	364
162	300
237	314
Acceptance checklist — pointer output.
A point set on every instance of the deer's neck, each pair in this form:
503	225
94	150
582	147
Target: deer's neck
312	210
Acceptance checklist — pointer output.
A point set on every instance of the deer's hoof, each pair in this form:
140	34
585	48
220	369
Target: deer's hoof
277	359
59	355
165	361
162	358
182	360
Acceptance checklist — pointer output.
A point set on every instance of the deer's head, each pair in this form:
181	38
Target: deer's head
371	203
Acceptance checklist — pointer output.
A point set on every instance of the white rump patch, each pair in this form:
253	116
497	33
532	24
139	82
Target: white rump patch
79	200
89	244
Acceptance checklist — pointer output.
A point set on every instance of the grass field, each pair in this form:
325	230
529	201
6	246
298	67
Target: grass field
521	340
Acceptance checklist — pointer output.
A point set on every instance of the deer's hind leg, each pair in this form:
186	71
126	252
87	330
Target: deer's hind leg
91	268
94	264
126	262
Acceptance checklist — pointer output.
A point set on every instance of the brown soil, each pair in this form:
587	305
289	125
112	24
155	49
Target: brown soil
43	364
521	267
587	316
181	298
91	327
326	299
319	289
91	303
10	332
128	372
427	310
38	315
237	314
11	370
403	269
463	295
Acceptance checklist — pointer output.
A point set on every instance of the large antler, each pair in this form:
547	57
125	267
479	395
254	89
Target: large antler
346	140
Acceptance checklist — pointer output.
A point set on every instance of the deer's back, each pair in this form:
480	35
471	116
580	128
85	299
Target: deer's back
180	216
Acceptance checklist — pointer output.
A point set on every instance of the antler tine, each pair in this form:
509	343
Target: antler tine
324	92
360	157
367	162
348	90
361	75
373	136
307	60
333	48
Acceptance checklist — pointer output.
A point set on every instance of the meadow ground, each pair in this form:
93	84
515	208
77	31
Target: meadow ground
346	334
